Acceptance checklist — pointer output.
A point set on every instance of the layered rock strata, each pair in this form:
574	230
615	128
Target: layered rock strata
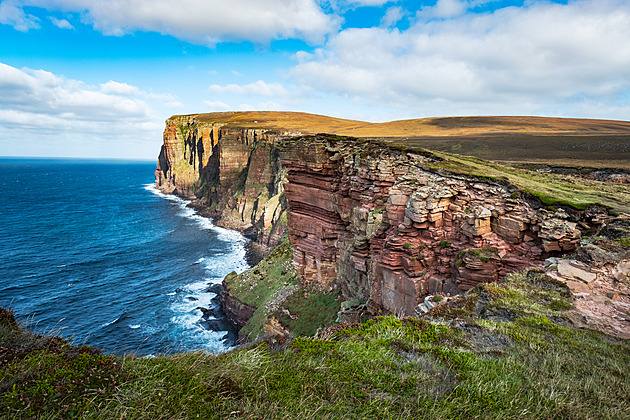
388	228
231	174
384	224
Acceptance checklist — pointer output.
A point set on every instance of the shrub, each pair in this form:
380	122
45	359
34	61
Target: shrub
7	318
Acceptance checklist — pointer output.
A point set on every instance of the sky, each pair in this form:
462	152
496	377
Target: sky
94	78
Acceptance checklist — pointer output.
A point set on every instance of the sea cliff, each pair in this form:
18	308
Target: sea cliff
382	224
231	174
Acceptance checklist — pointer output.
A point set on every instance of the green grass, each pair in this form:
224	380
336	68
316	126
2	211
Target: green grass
309	311
272	277
551	189
272	288
256	285
483	254
502	351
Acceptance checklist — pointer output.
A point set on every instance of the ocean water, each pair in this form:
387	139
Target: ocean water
91	251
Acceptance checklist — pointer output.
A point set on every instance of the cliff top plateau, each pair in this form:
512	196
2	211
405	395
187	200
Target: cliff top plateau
511	139
440	126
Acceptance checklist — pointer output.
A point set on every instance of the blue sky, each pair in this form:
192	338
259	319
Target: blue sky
87	78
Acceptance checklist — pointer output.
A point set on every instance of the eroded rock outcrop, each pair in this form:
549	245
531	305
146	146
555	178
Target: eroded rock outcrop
232	174
384	224
387	227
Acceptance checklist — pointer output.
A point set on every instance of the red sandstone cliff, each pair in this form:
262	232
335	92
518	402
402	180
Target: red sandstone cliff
383	226
376	221
231	174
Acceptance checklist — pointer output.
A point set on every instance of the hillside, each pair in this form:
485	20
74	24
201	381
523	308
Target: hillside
506	350
555	141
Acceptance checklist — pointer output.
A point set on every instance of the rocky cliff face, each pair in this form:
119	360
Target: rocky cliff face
231	174
380	222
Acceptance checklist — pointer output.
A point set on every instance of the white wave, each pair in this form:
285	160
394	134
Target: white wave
171	294
152	188
228	235
110	322
213	340
218	268
187	212
134	326
185	312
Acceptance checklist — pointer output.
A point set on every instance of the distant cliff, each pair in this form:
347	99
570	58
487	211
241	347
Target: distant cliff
384	224
231	174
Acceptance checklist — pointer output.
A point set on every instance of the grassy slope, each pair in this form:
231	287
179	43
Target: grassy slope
502	351
272	287
446	126
558	141
551	188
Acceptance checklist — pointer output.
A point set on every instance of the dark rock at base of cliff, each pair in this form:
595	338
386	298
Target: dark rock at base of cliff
255	252
236	312
213	312
215	324
231	334
214	288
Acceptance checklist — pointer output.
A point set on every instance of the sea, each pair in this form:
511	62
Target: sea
91	251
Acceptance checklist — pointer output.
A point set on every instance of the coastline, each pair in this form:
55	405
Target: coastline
254	252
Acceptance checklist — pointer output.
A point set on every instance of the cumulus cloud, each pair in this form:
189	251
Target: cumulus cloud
11	13
392	16
50	106
217	105
119	88
445	9
41	92
199	21
529	58
61	23
367	2
259	88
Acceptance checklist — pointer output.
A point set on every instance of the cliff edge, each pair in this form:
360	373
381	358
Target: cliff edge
385	225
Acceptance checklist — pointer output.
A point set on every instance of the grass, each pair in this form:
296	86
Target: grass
501	351
551	189
272	288
557	141
272	279
483	254
307	312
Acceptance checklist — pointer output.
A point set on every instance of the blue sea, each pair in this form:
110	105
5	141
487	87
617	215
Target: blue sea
93	252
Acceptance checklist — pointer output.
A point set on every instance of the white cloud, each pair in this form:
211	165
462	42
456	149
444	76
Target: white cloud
514	60
41	92
120	88
368	2
11	13
445	9
392	16
348	4
124	89
217	105
61	23
41	104
203	22
259	88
